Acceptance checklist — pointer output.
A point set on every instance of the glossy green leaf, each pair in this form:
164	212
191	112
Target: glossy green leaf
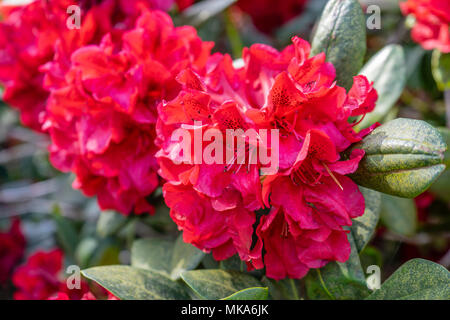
128	283
218	284
402	158
257	293
341	34
417	279
164	256
110	222
363	227
387	69
184	257
338	280
445	133
399	214
441	187
441	69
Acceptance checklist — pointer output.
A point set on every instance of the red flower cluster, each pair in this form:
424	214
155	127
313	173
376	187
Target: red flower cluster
12	247
309	197
112	93
34	34
432	27
102	117
267	15
40	278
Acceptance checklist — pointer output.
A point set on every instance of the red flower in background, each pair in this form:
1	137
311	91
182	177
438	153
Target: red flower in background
102	117
34	34
41	277
12	247
267	15
432	27
310	198
184	4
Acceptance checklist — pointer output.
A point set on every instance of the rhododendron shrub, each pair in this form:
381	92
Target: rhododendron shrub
266	169
432	23
102	119
33	35
309	199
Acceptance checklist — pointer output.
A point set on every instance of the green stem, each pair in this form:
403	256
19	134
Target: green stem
233	35
294	289
324	285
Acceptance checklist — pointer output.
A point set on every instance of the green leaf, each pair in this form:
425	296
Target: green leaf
417	279
128	283
440	64
341	34
85	250
285	289
445	133
233	263
363	227
110	222
442	186
402	158
152	254
257	293
184	257
164	256
338	280
66	232
387	69
399	214
202	11
218	284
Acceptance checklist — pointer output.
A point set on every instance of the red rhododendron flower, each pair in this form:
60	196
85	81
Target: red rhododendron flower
432	27
423	203
12	247
102	117
184	4
41	278
34	34
310	198
270	14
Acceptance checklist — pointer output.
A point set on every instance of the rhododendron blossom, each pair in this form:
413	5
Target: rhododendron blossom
34	34
41	278
101	117
308	201
432	23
